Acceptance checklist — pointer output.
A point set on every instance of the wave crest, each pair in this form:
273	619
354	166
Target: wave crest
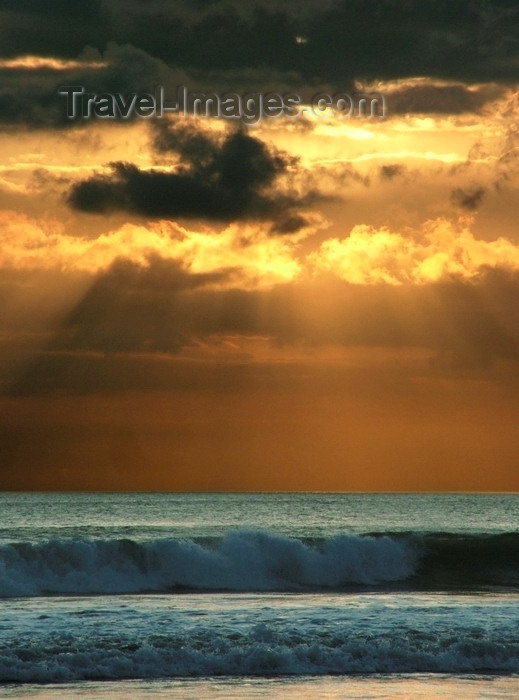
241	561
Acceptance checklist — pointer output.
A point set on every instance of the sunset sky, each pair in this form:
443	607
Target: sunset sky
308	303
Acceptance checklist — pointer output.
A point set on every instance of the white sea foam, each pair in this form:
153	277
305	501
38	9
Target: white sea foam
296	601
263	651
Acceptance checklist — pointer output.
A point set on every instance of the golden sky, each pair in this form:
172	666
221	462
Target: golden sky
307	303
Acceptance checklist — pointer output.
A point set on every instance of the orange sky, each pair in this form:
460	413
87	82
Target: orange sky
348	319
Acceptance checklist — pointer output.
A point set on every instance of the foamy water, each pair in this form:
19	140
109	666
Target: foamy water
113	588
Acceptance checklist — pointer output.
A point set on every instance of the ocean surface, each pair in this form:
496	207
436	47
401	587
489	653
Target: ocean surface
259	595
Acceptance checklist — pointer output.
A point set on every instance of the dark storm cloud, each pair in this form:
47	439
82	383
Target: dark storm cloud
223	181
289	224
389	172
247	46
342	40
195	146
483	323
468	198
31	97
468	321
159	307
442	99
465	323
134	306
52	27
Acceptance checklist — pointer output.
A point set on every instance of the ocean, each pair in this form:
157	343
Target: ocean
159	595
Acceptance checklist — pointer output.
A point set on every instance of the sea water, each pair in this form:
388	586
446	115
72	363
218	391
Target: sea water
259	595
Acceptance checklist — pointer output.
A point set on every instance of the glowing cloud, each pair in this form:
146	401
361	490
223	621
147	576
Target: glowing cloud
256	258
442	250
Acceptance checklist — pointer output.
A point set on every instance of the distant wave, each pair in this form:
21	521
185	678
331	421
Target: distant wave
260	561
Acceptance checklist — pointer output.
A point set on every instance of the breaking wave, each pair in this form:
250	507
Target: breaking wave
260	652
259	561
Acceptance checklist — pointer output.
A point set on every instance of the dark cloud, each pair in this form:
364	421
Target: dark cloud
289	224
29	103
469	198
31	98
52	27
441	99
134	306
222	46
475	323
195	146
389	172
159	307
226	181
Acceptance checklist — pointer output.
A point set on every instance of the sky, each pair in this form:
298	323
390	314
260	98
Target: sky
308	302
